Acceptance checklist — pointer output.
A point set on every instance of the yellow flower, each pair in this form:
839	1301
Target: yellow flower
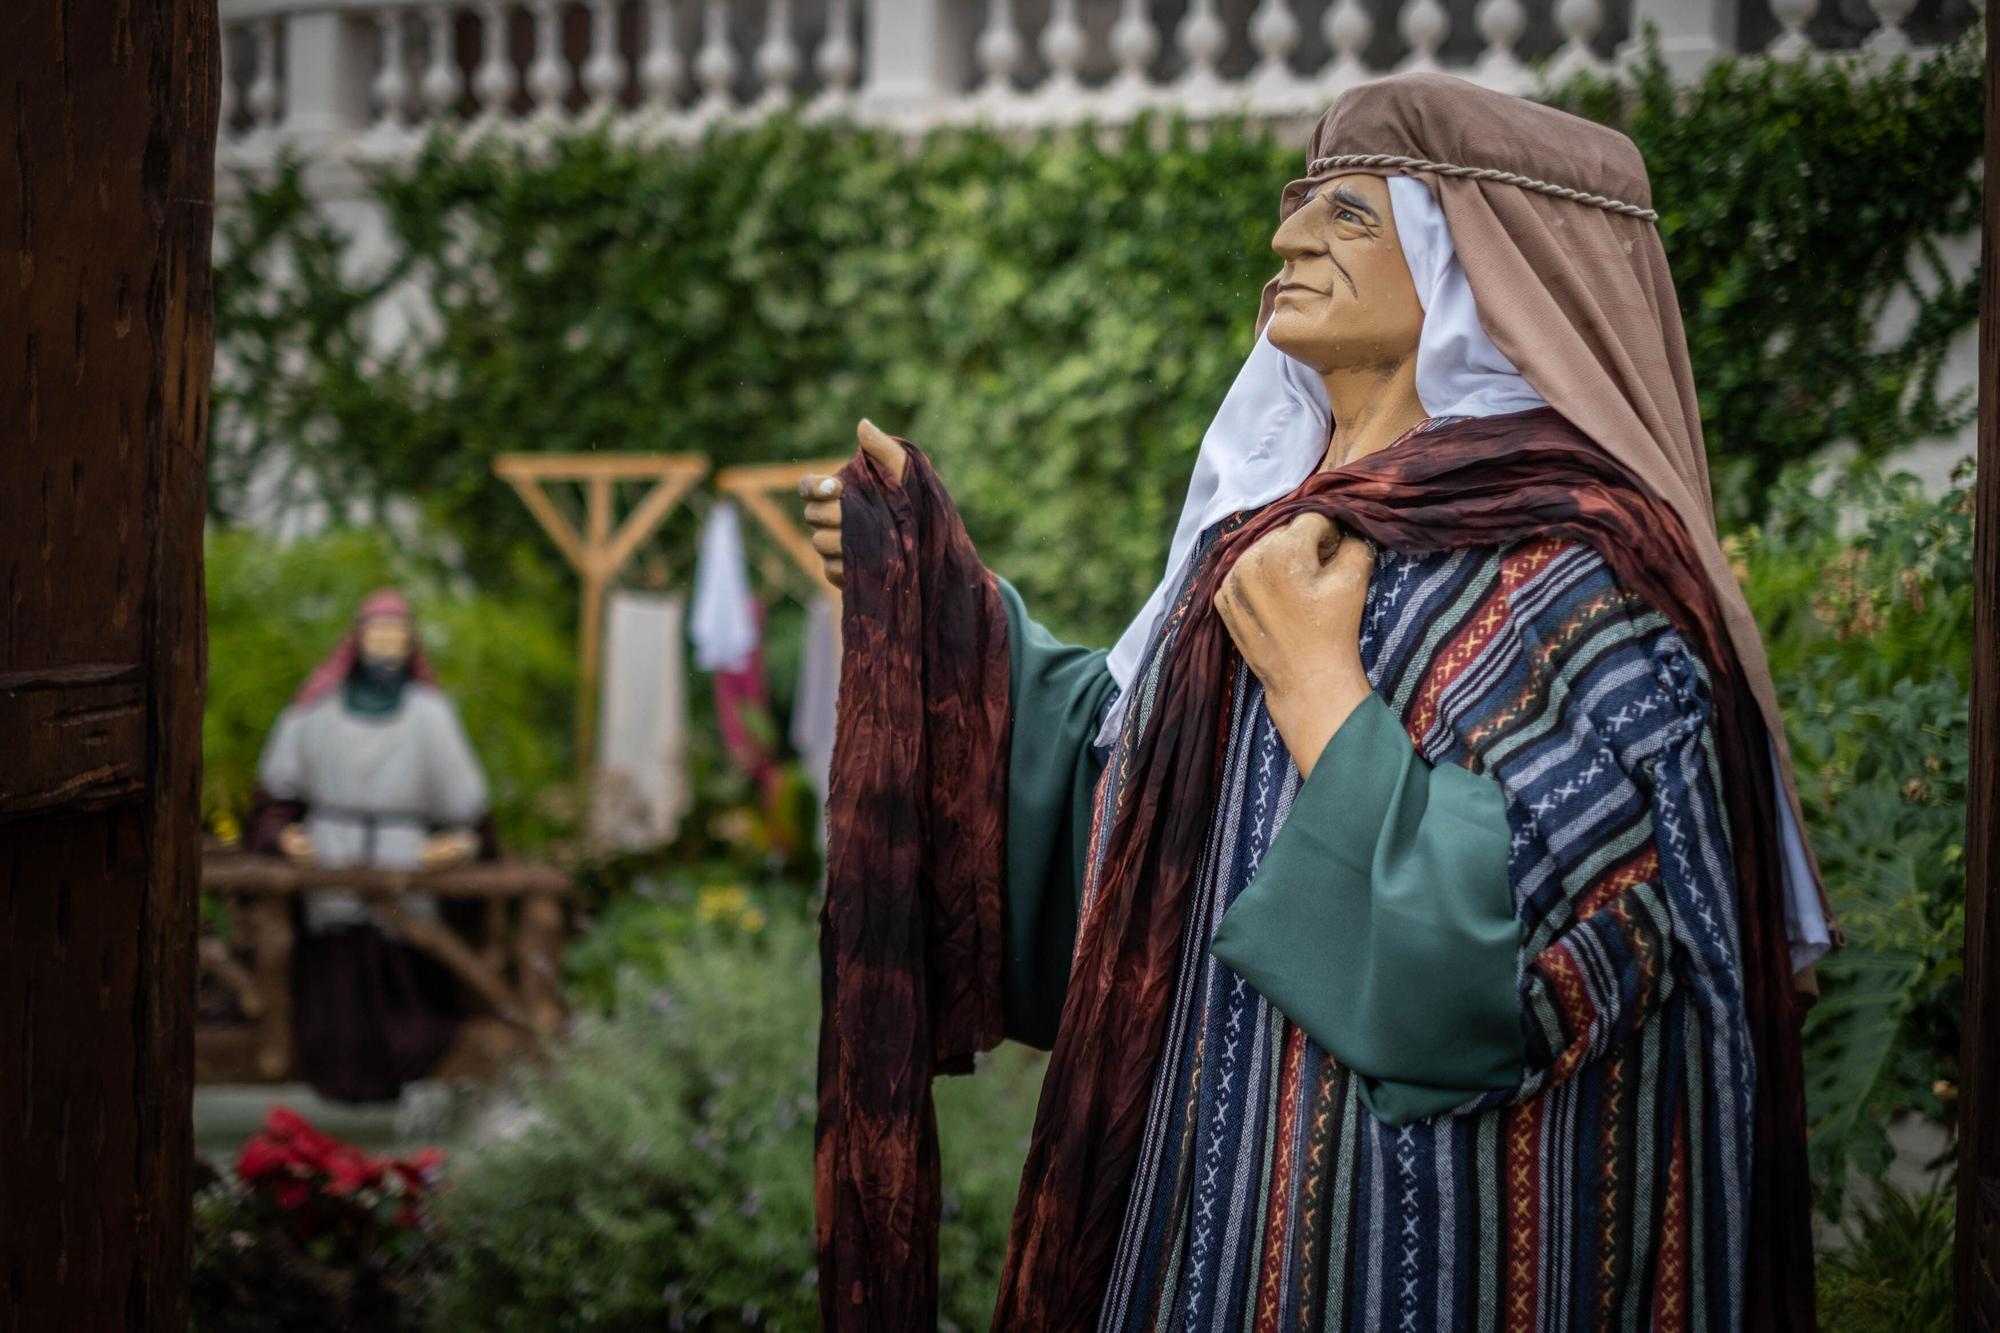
752	920
717	902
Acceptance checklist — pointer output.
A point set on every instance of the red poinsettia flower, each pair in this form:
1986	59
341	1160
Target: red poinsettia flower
420	1170
259	1158
306	1145
350	1171
290	1194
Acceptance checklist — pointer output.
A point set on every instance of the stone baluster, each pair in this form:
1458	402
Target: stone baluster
999	50
1792	15
838	59
1579	21
1348	30
548	73
1201	37
715	63
778	55
1500	23
1062	47
392	88
1889	40
493	82
661	72
604	71
1424	25
225	120
443	84
1134	43
262	95
1274	31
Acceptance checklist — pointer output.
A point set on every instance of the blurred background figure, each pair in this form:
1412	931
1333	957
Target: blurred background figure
369	766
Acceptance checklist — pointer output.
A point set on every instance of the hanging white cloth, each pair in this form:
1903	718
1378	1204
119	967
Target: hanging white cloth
723	620
816	701
641	789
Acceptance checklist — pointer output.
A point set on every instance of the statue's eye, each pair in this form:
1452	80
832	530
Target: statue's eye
1345	214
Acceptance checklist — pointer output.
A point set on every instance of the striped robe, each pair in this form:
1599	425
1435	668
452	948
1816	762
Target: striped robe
1610	1189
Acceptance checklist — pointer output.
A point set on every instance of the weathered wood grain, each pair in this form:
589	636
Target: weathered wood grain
105	218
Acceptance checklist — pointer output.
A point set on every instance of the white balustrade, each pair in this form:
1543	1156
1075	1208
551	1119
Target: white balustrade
443	85
263	93
1889	40
548	75
1425	26
1792	16
661	72
1062	48
1579	21
715	63
604	71
375	76
493	82
778	56
839	59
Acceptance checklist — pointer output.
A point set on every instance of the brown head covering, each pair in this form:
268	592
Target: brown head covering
1551	216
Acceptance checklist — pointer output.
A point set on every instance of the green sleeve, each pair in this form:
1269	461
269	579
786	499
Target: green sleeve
1381	921
1058	692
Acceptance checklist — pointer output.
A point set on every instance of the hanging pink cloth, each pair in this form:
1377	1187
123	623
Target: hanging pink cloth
327	677
740	694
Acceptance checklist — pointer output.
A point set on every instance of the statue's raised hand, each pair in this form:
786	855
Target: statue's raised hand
822	495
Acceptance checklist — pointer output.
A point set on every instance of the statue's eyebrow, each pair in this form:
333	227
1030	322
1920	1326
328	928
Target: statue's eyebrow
1349	199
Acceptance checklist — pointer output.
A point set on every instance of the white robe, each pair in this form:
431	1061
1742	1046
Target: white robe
374	788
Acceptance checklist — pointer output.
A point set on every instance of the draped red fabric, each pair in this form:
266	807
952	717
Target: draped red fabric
912	935
909	916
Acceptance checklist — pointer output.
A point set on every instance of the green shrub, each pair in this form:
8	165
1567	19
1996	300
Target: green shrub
1893	1267
1054	319
276	608
1870	634
665	1174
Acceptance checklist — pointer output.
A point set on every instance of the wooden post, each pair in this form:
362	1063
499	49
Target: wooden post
1979	1062
757	489
600	552
106	213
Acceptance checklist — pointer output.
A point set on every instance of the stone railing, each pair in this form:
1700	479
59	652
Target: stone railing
370	78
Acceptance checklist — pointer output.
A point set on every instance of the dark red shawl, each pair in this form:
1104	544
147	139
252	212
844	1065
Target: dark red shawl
1476	483
911	938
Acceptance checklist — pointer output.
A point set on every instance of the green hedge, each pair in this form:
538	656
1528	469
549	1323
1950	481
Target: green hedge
1055	320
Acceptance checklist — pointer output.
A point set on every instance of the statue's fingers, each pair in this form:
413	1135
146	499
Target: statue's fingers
826	541
834	570
823	513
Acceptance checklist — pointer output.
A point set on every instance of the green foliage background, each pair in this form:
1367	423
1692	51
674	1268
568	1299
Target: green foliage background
1053	319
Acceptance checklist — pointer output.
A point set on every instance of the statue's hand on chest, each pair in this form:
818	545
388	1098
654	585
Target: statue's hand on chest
1293	605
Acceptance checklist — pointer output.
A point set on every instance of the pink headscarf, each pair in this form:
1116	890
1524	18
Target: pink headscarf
327	677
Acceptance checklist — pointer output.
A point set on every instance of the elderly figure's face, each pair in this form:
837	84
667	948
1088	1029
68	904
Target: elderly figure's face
1345	300
385	640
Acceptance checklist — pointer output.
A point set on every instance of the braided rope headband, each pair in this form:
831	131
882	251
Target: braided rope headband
1481	174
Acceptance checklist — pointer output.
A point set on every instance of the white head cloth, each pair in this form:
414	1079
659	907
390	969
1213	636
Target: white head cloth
1275	422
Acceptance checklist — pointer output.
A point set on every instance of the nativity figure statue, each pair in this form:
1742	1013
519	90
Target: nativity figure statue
1413	900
